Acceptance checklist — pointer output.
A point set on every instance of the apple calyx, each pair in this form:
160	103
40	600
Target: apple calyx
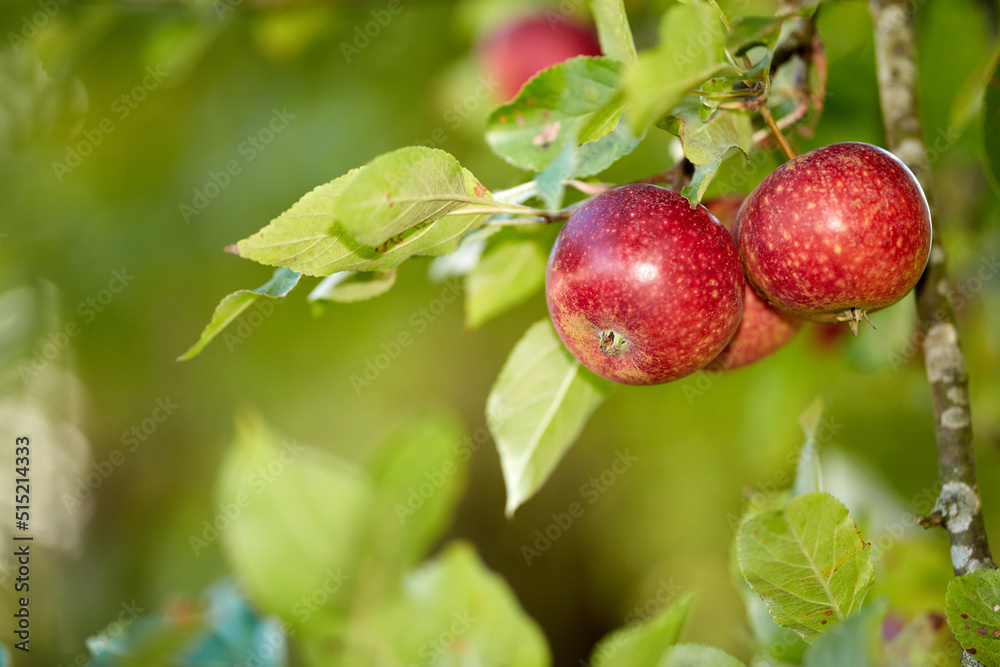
853	317
612	343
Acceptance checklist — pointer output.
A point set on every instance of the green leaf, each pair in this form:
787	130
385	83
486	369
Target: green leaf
969	99
537	408
753	31
703	175
350	286
401	190
510	271
854	642
596	156
613	29
991	130
552	182
643	645
808	476
233	305
453	611
807	562
310	239
291	520
697	655
690	51
708	140
418	476
973	608
553	109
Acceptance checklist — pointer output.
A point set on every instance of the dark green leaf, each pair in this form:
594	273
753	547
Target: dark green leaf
233	305
991	130
969	98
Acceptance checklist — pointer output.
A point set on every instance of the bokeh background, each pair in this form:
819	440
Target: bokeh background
703	445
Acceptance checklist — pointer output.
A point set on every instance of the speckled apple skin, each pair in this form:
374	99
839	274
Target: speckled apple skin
844	226
639	261
764	329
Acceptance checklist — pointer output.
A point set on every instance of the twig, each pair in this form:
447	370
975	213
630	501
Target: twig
765	111
958	504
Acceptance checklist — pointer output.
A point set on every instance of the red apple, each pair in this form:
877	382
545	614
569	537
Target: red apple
520	50
642	288
836	233
763	329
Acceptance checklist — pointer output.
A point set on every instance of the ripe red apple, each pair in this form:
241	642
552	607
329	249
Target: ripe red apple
520	50
836	233
763	329
641	288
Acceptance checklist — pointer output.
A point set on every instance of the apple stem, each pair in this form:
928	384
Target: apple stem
612	343
765	111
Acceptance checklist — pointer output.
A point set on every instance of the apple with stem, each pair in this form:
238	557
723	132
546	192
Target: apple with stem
763	329
519	50
643	289
836	233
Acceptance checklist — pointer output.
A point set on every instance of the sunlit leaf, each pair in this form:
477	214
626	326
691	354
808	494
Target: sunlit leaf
350	286
418	475
973	609
697	655
510	271
552	110
291	520
808	476
537	408
643	645
310	239
235	304
808	562
453	611
690	51
613	29
397	191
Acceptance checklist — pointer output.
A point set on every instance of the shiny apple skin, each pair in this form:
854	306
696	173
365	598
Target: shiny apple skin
637	265
836	232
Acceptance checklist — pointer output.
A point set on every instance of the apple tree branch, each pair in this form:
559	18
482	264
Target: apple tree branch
958	508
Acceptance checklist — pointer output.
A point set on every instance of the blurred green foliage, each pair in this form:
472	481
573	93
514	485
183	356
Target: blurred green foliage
171	95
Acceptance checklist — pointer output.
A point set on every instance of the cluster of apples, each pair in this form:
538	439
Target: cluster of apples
644	289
